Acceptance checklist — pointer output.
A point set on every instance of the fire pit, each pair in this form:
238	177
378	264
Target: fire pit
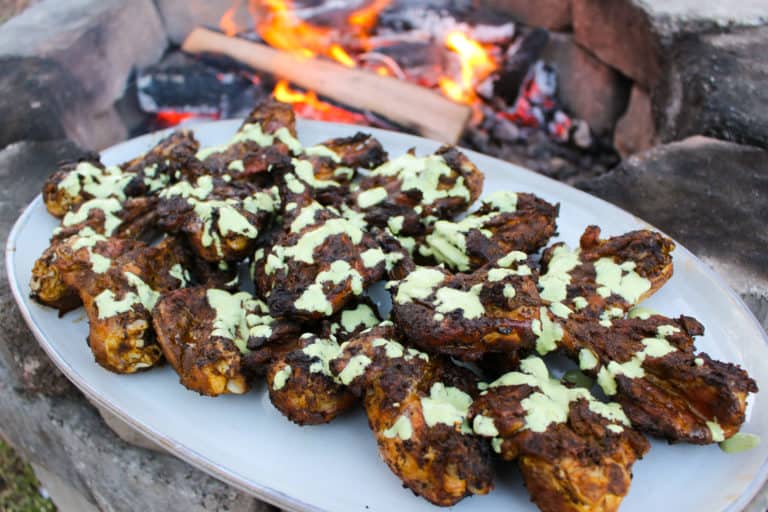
483	79
656	107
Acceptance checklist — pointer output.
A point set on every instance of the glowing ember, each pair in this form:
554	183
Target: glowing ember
476	65
309	106
168	118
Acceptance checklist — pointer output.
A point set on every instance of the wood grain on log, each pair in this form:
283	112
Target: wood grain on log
409	105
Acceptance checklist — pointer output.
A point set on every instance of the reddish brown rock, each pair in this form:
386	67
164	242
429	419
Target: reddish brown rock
589	89
635	130
621	34
551	14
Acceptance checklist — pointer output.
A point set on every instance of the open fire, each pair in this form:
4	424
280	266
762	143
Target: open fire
469	58
350	43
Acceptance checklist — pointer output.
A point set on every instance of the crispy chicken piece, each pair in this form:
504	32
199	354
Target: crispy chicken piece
337	159
171	156
77	182
133	218
47	284
470	315
119	294
651	367
417	407
650	364
319	264
358	315
323	172
220	220
205	334
300	386
505	222
266	137
606	276
408	193
575	453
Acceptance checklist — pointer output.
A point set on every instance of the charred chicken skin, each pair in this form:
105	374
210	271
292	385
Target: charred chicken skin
75	183
205	334
301	387
119	294
337	159
651	367
297	377
575	453
133	218
267	136
221	221
320	263
408	193
417	407
505	222
469	315
614	273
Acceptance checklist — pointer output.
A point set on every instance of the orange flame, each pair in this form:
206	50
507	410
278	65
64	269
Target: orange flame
308	105
279	26
282	29
341	55
476	65
227	22
365	17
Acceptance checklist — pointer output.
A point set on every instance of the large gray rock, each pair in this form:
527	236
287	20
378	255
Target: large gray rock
181	16
710	195
589	89
550	14
716	85
631	35
99	41
76	58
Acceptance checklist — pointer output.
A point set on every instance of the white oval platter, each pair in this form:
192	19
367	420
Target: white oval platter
245	441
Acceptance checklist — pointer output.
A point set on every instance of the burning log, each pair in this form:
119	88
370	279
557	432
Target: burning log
406	104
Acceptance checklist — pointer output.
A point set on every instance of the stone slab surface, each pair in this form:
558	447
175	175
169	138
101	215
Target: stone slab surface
716	85
636	130
66	63
710	195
